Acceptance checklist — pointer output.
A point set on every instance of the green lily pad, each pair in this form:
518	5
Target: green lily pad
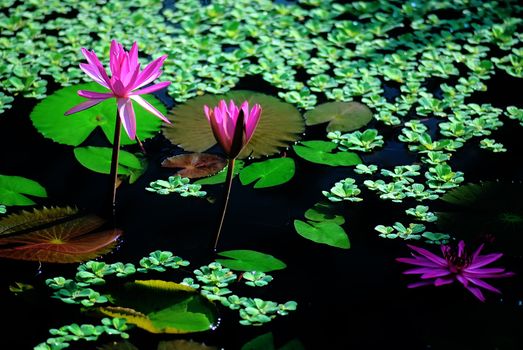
326	232
280	124
324	212
98	159
48	117
342	116
320	152
162	307
272	172
220	177
250	260
14	190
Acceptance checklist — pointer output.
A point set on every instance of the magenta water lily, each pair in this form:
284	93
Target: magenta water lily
233	128
456	264
126	78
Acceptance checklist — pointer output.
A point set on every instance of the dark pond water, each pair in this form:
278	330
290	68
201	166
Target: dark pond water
347	299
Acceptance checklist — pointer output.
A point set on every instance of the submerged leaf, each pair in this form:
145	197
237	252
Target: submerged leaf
324	212
262	342
280	124
56	235
326	232
118	346
272	172
320	152
195	165
182	344
250	260
13	190
162	307
48	117
342	116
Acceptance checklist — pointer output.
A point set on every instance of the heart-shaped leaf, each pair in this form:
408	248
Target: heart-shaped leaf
98	159
272	172
48	117
342	116
320	152
324	212
280	124
56	235
13	190
220	177
195	165
326	232
162	307
250	260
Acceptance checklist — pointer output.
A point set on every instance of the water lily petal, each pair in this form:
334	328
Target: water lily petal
443	281
484	284
431	256
152	88
95	95
149	108
483	260
151	72
418	262
84	105
477	292
126	113
94	73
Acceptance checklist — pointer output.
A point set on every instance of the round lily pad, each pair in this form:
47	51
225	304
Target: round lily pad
49	119
342	116
195	165
280	124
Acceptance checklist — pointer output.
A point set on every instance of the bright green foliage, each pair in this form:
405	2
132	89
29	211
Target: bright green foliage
357	141
48	117
159	260
365	169
515	113
15	189
176	184
98	159
63	336
326	232
272	172
441	178
255	312
398	230
3	209
321	152
250	260
492	145
256	279
422	213
345	190
342	116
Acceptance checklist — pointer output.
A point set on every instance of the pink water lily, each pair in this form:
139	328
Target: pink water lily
233	126
126	78
455	265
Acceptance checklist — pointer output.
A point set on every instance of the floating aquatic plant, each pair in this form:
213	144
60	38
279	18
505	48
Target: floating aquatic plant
455	264
57	235
195	165
15	189
342	116
357	141
127	83
176	184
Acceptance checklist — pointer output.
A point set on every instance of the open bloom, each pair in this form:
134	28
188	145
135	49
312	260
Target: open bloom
126	78
233	126
455	264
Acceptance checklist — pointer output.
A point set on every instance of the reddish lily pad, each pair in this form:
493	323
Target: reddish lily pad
195	165
57	235
280	124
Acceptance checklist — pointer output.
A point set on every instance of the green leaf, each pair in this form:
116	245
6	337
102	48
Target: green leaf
324	212
48	117
250	260
326	232
319	152
162	307
262	342
342	116
14	188
220	177
98	159
272	172
294	344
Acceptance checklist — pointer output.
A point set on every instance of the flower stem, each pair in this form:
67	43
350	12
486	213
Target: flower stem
142	148
228	184
114	158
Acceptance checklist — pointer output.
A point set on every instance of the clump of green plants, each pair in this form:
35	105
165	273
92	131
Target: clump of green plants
176	184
